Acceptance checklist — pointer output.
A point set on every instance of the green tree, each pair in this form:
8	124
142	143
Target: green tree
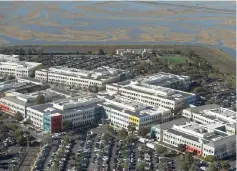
193	167
122	134
4	116
132	128
140	166
101	52
183	166
89	52
40	99
67	124
143	131
197	89
225	165
18	116
182	147
210	158
189	158
160	149
109	128
11	77
212	167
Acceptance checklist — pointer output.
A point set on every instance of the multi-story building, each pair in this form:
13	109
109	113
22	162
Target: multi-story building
15	102
123	112
203	139
209	114
152	94
76	110
123	52
83	78
178	82
10	58
19	69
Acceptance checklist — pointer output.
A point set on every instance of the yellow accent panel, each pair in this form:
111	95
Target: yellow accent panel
134	120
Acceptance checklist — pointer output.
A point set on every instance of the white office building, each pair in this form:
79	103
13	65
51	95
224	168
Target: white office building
19	69
206	130
83	78
77	110
209	114
123	112
123	52
152	94
15	102
9	58
163	79
203	139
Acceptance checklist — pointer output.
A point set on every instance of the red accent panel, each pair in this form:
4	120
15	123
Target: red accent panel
194	149
56	123
5	107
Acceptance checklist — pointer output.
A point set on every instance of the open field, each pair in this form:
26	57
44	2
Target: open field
173	59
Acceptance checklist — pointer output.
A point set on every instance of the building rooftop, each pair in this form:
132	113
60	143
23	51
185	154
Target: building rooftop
162	79
18	65
100	73
159	91
132	107
196	132
50	108
169	124
215	112
14	100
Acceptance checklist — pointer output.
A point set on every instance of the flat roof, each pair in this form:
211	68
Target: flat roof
96	74
20	64
176	132
147	111
48	108
14	100
175	94
169	124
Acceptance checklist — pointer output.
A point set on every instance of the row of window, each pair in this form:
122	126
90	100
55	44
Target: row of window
182	141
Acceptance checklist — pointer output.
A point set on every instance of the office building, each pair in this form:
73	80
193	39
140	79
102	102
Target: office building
152	94
123	52
9	58
19	69
123	112
15	102
76	110
209	114
83	78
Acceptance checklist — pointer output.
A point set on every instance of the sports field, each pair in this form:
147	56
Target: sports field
175	59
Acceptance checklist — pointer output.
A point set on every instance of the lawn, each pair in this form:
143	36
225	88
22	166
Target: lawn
175	59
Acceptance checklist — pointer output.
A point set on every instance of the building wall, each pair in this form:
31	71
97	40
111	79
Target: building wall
12	107
221	148
151	99
36	117
47	123
56	123
122	119
83	117
20	71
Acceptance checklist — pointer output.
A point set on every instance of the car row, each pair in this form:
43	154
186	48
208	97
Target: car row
102	152
39	165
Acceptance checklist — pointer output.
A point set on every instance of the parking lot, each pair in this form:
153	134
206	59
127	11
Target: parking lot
99	151
29	159
87	62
